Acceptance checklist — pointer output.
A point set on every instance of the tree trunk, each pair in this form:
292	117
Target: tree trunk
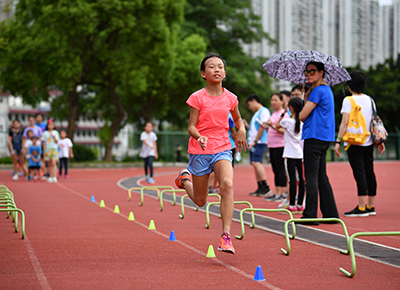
74	107
116	123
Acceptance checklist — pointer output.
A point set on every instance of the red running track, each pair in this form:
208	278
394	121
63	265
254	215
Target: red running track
72	243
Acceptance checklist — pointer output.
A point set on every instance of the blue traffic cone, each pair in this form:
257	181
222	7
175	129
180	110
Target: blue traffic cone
259	276
92	199
172	236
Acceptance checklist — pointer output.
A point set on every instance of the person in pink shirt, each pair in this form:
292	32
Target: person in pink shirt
209	145
276	144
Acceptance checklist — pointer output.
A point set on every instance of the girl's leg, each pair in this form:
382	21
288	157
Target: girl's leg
15	164
150	160
61	165
224	174
299	167
292	180
145	163
198	189
23	166
66	166
52	168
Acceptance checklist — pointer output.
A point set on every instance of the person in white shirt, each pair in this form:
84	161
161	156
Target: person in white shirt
257	140
360	157
65	148
149	150
293	153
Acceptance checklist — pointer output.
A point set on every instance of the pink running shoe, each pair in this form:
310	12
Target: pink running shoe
300	208
66	176
292	209
225	243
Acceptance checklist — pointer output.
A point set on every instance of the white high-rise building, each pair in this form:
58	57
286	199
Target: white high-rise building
396	28
356	31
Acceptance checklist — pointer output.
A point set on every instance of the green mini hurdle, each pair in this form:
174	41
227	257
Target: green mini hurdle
142	189
197	208
351	249
16	219
287	252
173	194
261	210
218	203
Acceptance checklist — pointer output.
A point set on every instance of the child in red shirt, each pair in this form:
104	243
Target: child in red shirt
209	145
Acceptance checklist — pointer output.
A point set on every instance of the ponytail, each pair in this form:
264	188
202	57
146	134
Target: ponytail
297	104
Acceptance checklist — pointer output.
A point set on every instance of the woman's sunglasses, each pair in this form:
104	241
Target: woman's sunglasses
310	72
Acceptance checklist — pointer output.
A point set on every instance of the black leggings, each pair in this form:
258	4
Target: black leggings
278	166
64	162
292	165
148	164
361	160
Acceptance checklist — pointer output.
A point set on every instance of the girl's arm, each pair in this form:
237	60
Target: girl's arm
71	154
155	149
193	132
240	140
278	125
342	130
10	145
271	125
147	143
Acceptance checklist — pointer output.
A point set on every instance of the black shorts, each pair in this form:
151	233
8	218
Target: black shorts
34	167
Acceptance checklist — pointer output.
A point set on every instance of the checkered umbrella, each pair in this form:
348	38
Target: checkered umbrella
290	66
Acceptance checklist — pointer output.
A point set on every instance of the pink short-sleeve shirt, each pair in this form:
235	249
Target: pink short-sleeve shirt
212	121
274	138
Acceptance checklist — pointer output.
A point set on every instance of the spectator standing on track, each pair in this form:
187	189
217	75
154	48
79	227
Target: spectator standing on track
257	141
209	146
37	131
276	143
34	156
15	143
293	153
50	140
361	157
65	149
318	116
149	150
39	121
29	143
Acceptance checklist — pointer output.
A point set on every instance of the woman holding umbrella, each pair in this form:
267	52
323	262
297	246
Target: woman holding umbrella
318	116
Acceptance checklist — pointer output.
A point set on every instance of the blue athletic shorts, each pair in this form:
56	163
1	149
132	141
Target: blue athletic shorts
202	164
257	152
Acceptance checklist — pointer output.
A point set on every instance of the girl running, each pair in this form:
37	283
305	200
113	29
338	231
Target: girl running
293	153
209	145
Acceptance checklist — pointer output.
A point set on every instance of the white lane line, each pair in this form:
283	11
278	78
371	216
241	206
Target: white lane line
230	267
36	265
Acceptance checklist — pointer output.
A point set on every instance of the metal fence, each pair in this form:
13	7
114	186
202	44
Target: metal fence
172	147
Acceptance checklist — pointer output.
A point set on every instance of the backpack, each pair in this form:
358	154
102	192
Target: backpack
379	133
356	132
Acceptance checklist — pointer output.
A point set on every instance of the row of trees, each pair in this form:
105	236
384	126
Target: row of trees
128	60
131	61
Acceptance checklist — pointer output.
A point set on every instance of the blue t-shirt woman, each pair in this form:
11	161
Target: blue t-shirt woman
318	116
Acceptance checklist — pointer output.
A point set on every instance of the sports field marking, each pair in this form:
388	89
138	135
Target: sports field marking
230	267
36	265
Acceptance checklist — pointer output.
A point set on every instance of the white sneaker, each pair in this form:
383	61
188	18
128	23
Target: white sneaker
284	204
15	177
50	180
55	179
